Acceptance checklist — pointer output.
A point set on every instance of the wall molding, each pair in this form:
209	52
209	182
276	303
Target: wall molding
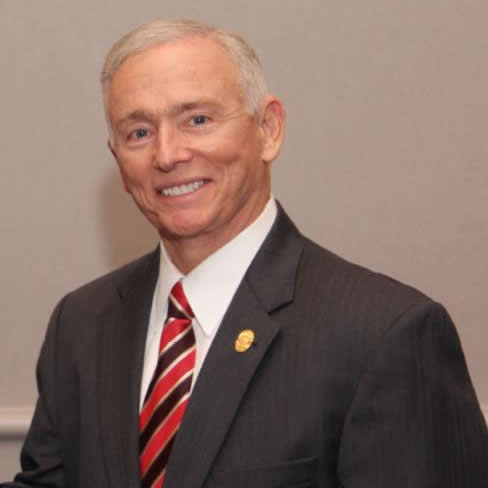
15	421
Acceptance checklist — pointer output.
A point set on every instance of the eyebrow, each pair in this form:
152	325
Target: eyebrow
135	115
179	108
192	105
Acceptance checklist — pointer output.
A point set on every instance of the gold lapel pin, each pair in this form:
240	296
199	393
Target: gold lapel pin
244	340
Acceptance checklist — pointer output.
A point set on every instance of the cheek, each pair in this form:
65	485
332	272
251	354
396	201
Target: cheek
227	146
125	181
127	178
240	164
222	151
133	171
135	182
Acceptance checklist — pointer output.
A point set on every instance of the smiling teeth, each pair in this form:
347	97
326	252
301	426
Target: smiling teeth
182	189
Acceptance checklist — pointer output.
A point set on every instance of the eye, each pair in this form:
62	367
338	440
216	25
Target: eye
198	120
140	133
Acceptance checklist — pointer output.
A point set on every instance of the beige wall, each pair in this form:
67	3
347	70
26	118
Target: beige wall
385	160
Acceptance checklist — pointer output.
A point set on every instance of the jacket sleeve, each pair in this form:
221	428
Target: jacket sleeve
415	420
41	460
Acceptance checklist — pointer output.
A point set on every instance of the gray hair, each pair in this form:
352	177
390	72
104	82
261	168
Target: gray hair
165	30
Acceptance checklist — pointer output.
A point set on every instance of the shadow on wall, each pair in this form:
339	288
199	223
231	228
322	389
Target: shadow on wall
125	232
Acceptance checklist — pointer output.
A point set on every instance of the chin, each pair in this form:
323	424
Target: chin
181	230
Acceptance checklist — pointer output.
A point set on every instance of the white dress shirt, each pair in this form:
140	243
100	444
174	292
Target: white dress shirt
209	289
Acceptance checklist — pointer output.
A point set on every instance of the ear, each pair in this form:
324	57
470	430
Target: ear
112	149
272	125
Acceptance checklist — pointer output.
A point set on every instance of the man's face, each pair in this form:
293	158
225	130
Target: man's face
193	158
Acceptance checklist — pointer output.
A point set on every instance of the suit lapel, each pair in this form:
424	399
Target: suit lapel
120	357
226	374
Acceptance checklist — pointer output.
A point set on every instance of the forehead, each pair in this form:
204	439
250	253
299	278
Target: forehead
170	73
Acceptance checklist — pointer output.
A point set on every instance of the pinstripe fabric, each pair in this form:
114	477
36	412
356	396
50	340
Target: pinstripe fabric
169	391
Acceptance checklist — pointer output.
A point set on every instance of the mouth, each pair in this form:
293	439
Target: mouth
179	190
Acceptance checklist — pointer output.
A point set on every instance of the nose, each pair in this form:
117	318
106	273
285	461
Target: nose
171	148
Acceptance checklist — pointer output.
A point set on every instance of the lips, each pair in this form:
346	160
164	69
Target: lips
182	189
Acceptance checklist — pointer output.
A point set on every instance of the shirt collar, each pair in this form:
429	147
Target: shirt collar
211	286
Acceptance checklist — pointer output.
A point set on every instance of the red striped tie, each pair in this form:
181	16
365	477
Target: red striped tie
169	391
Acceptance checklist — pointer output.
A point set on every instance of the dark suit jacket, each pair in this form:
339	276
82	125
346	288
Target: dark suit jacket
354	380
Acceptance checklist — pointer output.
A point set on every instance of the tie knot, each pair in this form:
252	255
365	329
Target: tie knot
178	306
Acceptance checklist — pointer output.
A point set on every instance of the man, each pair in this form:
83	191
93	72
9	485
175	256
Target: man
294	368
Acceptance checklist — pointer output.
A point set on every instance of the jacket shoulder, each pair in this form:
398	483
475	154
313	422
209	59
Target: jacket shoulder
357	292
118	282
